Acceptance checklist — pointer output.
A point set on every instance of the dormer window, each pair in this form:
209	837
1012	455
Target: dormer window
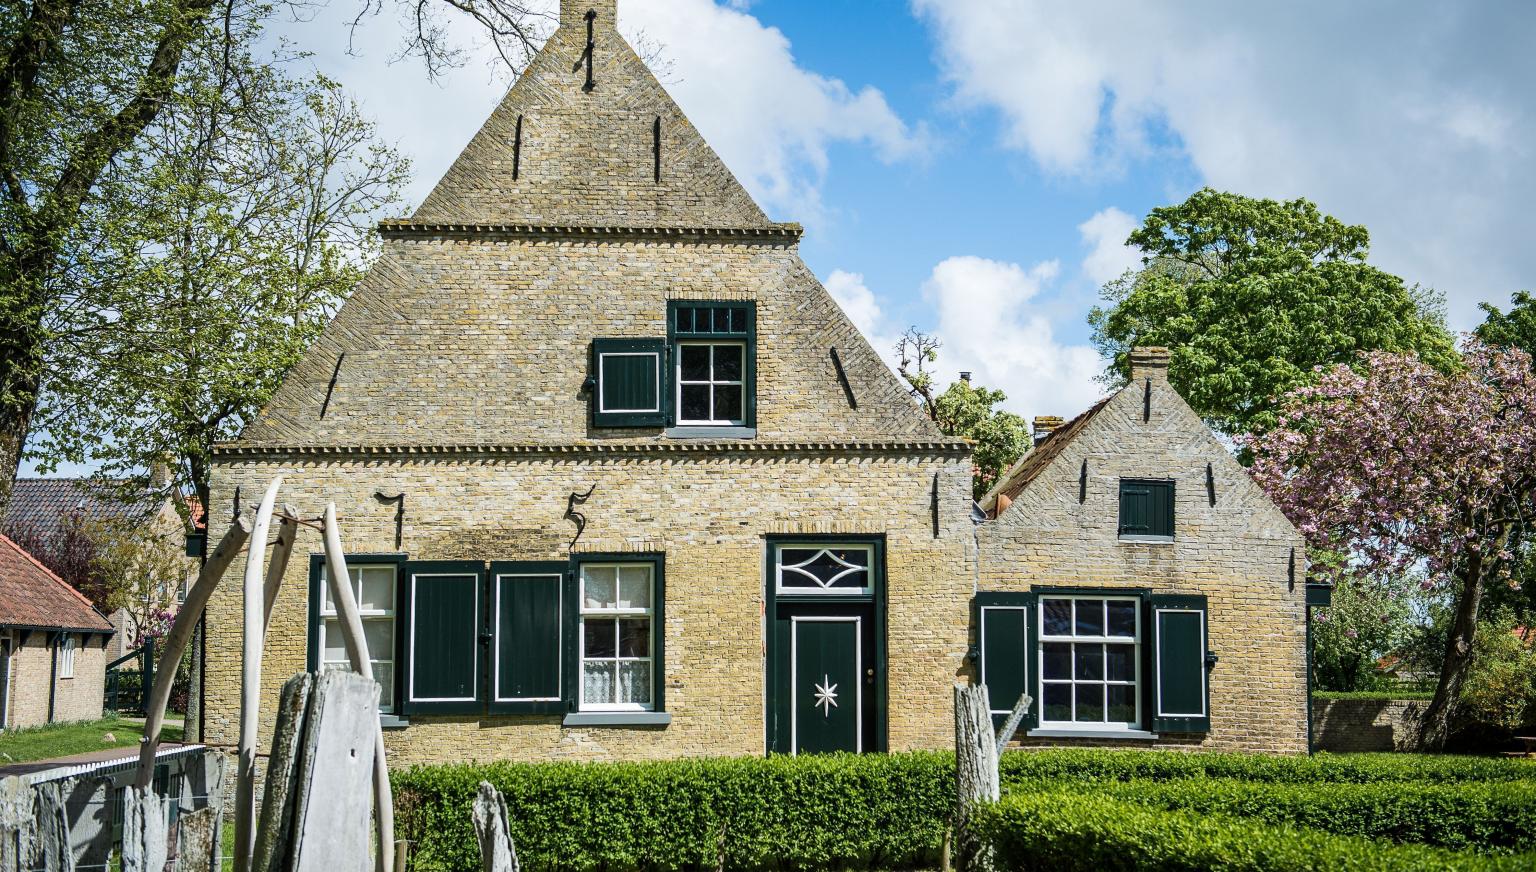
714	359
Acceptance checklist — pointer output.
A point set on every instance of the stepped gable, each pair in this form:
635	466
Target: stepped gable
557	153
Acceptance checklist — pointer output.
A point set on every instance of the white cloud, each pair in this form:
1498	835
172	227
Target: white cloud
991	325
1108	256
1417	124
864	310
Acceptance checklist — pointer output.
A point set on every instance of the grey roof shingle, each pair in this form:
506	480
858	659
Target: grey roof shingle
43	504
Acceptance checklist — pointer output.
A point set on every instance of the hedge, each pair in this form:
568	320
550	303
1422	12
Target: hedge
1374	695
1493	817
1075	832
837	811
1125	765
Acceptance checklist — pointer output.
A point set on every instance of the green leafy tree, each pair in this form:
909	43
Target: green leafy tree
964	410
1250	296
1515	328
1367	621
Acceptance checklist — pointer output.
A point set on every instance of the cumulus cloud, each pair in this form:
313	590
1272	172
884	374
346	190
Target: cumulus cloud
1108	256
1417	124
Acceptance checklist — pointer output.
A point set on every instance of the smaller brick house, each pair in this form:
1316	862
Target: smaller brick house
1139	585
52	645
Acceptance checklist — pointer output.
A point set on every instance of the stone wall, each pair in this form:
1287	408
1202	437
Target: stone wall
1353	725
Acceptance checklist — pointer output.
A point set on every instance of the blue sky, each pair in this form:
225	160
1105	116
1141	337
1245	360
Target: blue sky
972	167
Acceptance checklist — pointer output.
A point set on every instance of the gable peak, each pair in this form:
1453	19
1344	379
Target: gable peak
574	13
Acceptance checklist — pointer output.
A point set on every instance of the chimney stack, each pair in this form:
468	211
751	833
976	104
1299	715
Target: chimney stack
573	13
1150	361
965	376
159	475
1045	425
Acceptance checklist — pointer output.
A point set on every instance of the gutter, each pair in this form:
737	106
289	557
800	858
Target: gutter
53	675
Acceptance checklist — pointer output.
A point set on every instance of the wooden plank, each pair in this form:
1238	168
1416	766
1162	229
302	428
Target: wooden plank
331	830
197	838
497	853
253	638
15	824
144	837
51	850
273	830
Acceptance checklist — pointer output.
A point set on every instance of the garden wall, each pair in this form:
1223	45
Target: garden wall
1366	724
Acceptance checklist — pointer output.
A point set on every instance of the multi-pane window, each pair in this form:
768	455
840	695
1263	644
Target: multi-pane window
829	569
67	656
710	379
616	636
1090	661
374	589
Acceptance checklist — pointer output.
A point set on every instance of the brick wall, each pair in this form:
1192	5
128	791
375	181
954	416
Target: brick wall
75	699
1350	725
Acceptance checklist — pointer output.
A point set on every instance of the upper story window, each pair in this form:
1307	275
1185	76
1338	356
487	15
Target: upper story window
1146	510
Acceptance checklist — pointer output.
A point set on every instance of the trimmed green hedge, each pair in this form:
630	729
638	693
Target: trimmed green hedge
1072	832
1125	765
1378	695
1496	817
838	811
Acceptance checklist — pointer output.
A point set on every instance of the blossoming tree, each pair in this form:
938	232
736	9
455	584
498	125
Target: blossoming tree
1400	467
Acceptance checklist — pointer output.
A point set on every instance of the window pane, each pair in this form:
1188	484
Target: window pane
1058	617
635	587
597	682
694	362
1122	618
635	682
601	637
1120	662
384	674
335	650
1090	702
722	320
379	635
1089	662
1090	617
378	589
635	638
685	319
728	362
695	403
599	584
1122	703
728	403
1058	702
1058	660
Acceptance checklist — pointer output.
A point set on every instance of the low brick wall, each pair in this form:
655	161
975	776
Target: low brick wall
1366	724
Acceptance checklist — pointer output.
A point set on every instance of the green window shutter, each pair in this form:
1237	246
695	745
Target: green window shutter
1006	645
629	382
1146	507
445	609
1181	694
526	643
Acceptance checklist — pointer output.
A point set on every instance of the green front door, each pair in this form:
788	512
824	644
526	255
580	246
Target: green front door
826	687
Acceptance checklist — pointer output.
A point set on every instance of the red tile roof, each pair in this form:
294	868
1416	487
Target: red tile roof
32	596
1034	462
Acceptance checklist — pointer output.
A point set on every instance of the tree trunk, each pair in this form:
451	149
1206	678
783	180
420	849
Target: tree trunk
22	350
976	780
1435	730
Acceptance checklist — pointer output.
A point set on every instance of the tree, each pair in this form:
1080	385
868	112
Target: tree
964	410
1399	466
1513	329
80	84
1367	620
70	551
1250	296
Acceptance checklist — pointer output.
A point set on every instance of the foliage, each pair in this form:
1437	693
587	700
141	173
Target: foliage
1397	465
1500	690
1375	695
1084	764
810	812
70	550
1067	831
1513	329
78	737
1251	295
1367	620
964	410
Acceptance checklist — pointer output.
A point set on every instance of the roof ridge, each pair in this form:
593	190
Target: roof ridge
49	572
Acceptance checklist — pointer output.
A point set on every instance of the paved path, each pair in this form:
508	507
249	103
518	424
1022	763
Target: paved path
105	755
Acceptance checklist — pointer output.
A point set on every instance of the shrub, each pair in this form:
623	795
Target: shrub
840	811
1095	833
1497	817
1118	765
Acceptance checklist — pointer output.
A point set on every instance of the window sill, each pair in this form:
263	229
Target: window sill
393	722
711	432
1147	539
1049	733
617	719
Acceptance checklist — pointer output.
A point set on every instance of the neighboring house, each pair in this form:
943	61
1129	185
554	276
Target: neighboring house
42	507
52	645
616	476
1140	586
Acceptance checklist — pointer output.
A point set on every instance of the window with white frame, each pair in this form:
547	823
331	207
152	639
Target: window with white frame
824	569
67	656
1090	662
710	383
616	636
373	586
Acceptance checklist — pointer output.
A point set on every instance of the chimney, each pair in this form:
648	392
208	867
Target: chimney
965	376
159	475
1045	425
573	13
1150	361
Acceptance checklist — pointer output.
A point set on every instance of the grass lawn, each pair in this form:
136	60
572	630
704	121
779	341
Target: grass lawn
62	740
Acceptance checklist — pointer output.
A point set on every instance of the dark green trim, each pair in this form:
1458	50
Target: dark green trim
1150	511
748	336
1027	603
476	624
1200	667
572	667
655	418
558	569
1319	594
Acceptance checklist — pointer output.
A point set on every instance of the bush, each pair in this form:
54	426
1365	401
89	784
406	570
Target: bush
1497	817
1118	765
1095	833
840	811
1380	695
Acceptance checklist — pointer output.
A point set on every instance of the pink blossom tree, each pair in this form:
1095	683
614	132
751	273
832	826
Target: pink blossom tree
1396	467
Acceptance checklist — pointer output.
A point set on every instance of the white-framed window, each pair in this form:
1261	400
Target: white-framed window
67	656
1090	662
816	568
710	379
617	636
373	586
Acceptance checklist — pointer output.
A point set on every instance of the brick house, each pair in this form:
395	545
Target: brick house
617	477
52	645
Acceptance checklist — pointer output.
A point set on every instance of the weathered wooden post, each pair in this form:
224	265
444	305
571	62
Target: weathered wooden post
978	749
250	678
497	853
